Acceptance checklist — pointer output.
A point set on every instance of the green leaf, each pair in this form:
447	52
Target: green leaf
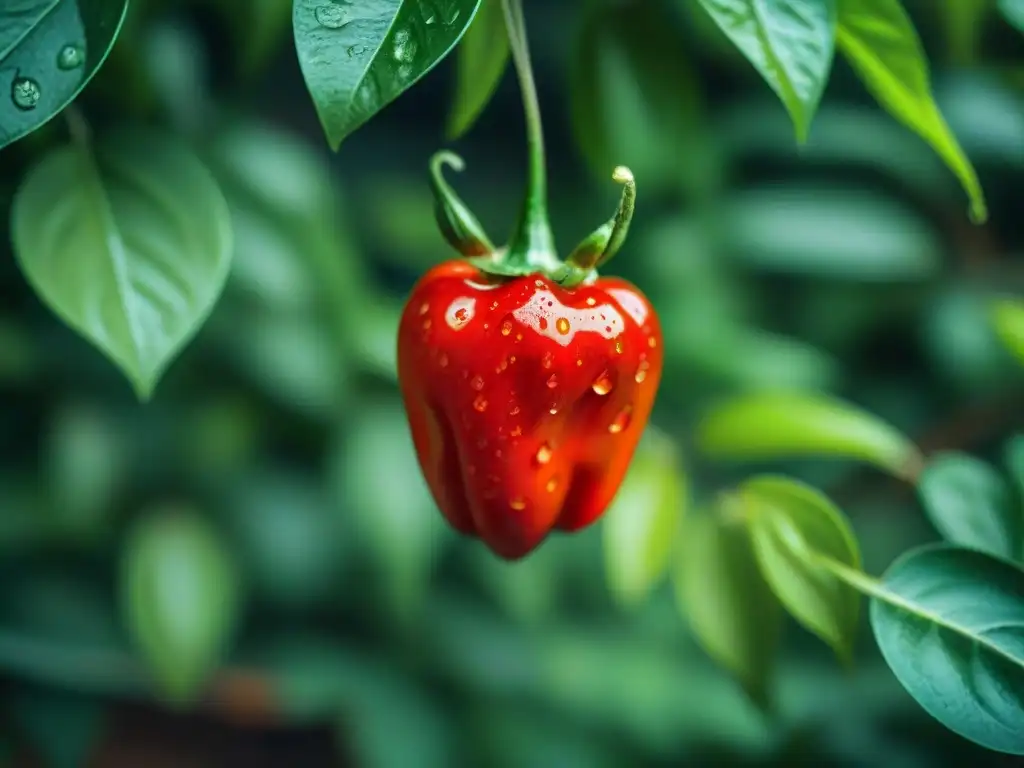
1008	319
128	242
730	607
971	504
634	98
181	599
641	525
377	478
50	49
880	42
359	56
950	624
481	60
780	425
791	524
831	231
1013	12
791	44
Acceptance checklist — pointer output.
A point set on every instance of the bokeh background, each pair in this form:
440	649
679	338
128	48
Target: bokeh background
372	636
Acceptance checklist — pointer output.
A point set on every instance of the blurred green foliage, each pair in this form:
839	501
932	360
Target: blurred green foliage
844	265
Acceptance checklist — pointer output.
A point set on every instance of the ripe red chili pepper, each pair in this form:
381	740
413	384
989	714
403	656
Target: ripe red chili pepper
527	379
526	400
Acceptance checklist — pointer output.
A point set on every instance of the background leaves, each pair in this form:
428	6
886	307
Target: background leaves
481	60
129	242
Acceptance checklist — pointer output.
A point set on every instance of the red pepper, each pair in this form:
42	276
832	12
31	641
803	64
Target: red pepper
526	400
527	379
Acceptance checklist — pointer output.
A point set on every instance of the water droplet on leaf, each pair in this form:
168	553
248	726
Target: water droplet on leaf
70	56
331	16
25	93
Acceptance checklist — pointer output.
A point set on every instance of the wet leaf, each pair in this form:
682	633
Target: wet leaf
878	38
780	425
181	599
359	56
481	60
791	524
1008	318
640	528
128	242
49	51
950	624
790	43
972	505
727	602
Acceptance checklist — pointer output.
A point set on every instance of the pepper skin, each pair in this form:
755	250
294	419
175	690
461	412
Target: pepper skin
525	399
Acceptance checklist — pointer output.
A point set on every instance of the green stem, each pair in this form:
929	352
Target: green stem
532	243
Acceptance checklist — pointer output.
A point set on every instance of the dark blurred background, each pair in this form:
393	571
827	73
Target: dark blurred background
374	637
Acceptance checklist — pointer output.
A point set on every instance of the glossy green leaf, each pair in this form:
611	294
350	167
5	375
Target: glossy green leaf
1013	12
641	525
634	98
971	504
830	230
950	624
481	60
878	38
181	599
128	242
791	44
791	524
49	51
780	425
358	56
729	605
1008	319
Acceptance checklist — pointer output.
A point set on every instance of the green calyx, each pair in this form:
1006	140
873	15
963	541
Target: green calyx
531	249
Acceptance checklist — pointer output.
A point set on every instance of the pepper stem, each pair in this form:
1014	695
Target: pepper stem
459	226
532	243
604	242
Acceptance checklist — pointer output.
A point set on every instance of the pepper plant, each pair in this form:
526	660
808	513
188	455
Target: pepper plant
537	389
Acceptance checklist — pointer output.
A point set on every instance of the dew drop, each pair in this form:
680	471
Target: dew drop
579	363
544	454
405	46
519	337
514	411
641	372
477	383
480	404
25	93
552	381
517	504
548	360
551	485
603	385
553	410
70	56
424	308
539	283
331	16
517	431
460	312
618	347
431	20
542	323
652	342
591	301
562	325
506	328
621	421
426	324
